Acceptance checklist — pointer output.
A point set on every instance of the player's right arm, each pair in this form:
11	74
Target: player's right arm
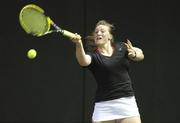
82	58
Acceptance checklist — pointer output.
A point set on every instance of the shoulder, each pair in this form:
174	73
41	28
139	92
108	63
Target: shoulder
91	53
121	49
94	59
120	44
94	55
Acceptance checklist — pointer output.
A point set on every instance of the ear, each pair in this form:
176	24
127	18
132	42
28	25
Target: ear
110	37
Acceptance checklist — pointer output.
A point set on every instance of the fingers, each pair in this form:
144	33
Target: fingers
76	38
129	43
126	45
132	56
130	49
131	53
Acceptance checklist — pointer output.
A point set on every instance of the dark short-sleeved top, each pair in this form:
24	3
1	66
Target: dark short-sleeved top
111	74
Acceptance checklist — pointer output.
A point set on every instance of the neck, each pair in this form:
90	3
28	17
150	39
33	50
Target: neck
106	49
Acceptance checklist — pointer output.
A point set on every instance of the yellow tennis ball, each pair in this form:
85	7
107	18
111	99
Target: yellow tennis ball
31	54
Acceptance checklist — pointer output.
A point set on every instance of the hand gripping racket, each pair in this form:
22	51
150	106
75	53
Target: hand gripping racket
35	22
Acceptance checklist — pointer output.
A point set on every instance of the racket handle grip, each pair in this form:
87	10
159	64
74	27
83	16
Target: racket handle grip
68	34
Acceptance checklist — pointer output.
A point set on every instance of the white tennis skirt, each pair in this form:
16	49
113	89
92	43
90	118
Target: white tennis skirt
115	109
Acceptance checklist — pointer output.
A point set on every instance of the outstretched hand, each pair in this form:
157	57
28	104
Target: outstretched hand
76	39
130	49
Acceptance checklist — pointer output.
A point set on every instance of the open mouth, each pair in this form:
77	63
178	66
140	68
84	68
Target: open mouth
99	38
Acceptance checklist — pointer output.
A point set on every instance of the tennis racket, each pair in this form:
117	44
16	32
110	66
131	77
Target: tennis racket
33	20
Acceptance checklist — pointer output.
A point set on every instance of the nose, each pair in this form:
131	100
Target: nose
99	33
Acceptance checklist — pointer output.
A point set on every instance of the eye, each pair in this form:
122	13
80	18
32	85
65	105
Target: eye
103	31
96	31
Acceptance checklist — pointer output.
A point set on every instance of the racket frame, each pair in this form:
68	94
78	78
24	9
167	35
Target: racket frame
49	23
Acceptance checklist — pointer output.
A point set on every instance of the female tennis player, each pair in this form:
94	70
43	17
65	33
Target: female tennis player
109	63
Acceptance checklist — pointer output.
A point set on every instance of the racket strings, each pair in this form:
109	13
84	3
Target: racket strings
34	21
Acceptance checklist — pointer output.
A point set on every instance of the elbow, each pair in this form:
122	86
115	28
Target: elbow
83	64
83	60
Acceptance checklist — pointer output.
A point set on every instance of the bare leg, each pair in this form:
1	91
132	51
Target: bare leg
110	121
135	119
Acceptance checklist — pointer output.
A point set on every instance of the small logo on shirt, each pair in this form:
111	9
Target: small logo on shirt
120	49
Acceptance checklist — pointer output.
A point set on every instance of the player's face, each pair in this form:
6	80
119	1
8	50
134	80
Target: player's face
102	35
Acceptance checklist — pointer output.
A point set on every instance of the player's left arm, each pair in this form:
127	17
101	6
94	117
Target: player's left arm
134	53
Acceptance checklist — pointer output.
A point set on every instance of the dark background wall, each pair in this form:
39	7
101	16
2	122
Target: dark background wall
54	88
